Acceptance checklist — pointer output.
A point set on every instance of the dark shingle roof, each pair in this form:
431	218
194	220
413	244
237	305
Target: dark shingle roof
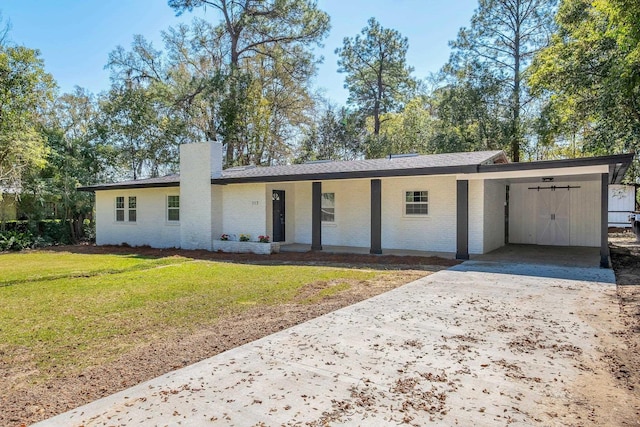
434	164
395	166
409	165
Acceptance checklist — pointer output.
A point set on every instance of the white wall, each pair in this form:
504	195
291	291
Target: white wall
522	214
352	225
198	163
622	201
151	227
435	232
584	208
494	200
244	210
217	211
302	212
585	214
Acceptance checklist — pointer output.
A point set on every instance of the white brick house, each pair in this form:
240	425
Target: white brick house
458	203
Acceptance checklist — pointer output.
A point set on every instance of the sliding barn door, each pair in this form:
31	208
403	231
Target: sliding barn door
552	226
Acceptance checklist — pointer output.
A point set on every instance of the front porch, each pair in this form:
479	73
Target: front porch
512	253
330	249
364	216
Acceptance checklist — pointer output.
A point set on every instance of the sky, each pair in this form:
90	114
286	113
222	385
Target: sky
75	37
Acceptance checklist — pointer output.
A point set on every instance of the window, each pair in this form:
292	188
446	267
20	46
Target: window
416	203
328	207
119	209
132	209
173	208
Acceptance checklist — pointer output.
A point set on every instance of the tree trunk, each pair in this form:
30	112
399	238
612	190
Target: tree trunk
515	136
376	106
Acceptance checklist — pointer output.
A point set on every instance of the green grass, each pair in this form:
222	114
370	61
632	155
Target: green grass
40	265
64	309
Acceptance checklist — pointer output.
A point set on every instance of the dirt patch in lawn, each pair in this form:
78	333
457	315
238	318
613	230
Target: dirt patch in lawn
625	363
23	402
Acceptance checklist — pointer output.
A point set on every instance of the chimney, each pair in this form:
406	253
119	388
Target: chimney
199	162
216	159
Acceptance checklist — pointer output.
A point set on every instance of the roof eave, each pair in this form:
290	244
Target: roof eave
618	165
123	186
440	170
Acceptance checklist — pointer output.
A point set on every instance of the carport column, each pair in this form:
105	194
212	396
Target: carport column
316	216
376	217
462	219
604	221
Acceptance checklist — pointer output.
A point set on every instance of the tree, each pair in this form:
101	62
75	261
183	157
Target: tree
408	131
187	76
591	74
503	38
468	113
74	158
279	30
336	134
140	125
377	76
25	88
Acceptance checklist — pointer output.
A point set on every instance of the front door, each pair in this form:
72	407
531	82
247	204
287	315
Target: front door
553	217
278	216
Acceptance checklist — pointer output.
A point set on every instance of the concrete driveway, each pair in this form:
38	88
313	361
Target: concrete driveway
480	344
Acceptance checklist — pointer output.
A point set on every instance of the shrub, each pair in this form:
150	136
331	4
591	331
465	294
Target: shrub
89	230
54	232
43	233
16	241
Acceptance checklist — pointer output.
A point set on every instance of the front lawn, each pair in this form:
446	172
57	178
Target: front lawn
60	312
43	265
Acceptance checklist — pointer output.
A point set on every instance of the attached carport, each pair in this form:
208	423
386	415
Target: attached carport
551	203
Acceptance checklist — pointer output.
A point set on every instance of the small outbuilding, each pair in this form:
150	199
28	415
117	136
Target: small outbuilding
459	203
622	203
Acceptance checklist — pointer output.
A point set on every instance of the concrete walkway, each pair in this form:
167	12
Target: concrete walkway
479	344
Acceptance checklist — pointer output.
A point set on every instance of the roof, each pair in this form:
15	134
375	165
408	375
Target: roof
618	165
432	164
163	181
404	165
409	165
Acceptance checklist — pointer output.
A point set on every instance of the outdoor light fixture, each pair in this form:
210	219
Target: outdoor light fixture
547	179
